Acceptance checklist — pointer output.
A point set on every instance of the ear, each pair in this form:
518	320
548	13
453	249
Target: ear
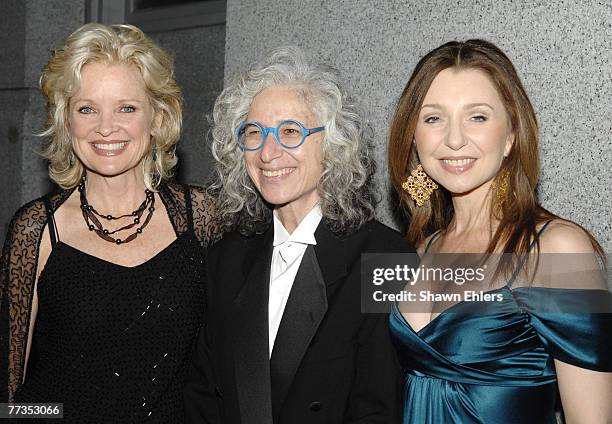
414	151
156	123
509	144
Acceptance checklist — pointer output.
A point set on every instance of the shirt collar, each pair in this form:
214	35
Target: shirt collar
304	233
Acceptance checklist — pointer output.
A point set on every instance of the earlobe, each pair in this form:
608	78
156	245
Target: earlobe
414	150
509	145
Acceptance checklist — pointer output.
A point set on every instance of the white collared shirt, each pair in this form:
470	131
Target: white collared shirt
287	256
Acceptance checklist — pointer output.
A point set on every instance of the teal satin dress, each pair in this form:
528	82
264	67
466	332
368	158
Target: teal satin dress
494	364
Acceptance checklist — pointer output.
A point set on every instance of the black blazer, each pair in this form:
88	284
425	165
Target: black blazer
330	363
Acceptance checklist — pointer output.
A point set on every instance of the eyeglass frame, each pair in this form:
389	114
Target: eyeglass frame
274	130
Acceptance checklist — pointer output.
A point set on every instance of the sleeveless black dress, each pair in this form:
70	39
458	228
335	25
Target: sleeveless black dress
112	342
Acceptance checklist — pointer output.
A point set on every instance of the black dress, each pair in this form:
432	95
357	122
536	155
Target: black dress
112	342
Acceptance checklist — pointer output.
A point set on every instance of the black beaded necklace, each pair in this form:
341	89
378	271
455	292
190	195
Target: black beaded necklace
93	223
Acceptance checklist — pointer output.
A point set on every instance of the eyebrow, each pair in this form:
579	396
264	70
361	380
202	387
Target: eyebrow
468	106
119	101
471	105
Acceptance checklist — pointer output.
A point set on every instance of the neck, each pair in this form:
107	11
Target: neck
116	195
291	214
472	211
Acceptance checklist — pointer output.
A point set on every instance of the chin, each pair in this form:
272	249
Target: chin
114	168
275	199
107	171
461	189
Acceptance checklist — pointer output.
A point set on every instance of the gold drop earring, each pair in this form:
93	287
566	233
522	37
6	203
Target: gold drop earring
419	186
500	187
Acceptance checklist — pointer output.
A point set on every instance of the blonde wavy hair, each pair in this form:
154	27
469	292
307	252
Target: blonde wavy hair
60	80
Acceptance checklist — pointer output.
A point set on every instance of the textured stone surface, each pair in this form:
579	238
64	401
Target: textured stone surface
13	103
34	175
12	40
199	57
560	48
30	30
12	107
48	23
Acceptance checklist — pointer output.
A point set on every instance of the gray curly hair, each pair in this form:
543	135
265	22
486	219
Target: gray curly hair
345	185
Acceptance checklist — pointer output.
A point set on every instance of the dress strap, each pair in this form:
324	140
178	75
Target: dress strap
431	240
533	243
188	207
53	234
531	246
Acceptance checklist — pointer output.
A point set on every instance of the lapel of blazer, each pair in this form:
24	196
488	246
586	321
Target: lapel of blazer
303	313
322	265
333	254
251	350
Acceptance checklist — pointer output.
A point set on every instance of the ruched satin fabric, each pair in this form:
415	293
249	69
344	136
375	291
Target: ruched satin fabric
492	362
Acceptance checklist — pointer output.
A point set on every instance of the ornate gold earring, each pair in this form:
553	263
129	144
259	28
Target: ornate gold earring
500	187
419	186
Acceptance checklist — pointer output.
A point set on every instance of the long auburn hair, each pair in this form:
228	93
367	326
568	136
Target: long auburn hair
520	212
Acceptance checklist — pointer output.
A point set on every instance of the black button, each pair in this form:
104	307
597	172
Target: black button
315	406
218	392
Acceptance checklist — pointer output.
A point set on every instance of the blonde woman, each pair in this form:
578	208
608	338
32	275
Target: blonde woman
463	156
101	290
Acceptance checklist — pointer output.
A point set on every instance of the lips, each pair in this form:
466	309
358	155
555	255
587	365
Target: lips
109	148
458	165
276	172
458	162
113	146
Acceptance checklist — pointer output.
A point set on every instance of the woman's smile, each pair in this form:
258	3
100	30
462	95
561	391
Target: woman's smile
109	148
458	165
277	173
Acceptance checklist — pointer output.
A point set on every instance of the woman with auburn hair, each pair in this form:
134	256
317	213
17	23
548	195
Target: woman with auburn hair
101	289
463	156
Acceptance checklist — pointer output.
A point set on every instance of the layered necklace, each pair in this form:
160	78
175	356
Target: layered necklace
93	217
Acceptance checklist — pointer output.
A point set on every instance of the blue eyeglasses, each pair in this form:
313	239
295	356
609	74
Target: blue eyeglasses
290	134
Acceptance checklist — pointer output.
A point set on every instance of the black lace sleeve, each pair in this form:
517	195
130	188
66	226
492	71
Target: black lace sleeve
207	224
17	276
205	221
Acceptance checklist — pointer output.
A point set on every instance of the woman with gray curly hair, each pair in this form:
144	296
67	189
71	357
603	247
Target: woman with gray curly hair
294	174
347	167
101	289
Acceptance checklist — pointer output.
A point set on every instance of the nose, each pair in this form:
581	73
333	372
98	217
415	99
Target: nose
271	149
106	125
455	138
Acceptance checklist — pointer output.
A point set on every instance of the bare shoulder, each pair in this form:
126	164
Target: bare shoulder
562	236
